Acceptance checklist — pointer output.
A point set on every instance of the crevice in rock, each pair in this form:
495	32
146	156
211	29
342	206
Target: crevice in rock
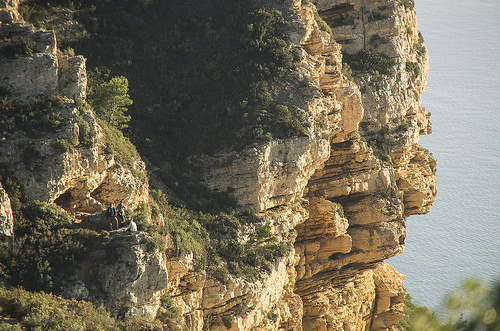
66	201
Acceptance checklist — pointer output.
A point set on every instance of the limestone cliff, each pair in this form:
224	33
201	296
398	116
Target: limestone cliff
338	197
350	202
69	166
68	162
6	218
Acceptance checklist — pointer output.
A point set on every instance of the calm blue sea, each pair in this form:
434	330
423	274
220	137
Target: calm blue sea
460	237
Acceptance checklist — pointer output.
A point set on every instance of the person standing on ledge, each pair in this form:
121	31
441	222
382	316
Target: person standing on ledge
120	209
111	217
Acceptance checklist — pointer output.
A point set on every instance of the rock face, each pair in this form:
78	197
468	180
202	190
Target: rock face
6	218
354	199
70	165
338	197
123	276
81	179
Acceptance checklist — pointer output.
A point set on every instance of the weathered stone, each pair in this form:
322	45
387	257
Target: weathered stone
72	73
6	218
327	193
267	176
8	11
124	276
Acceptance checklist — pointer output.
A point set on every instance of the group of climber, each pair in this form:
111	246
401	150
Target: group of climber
116	217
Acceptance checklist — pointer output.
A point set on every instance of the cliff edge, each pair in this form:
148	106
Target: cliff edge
315	213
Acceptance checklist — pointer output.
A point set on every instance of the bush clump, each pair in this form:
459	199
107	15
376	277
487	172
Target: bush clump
412	68
322	24
408	4
18	46
369	62
215	238
41	115
39	311
110	101
46	248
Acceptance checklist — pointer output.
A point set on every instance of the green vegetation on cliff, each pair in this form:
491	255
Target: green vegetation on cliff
23	310
40	115
369	62
214	237
199	71
46	248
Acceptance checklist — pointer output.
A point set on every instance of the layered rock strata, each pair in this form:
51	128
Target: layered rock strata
355	202
82	179
338	197
122	275
6	218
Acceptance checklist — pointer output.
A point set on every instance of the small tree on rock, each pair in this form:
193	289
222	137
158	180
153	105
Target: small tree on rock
110	100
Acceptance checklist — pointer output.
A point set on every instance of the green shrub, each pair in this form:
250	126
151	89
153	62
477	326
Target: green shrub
182	225
379	151
110	101
15	193
122	149
36	14
347	71
168	310
40	311
322	24
46	248
408	4
264	231
18	46
340	210
418	318
40	116
67	145
369	62
84	132
412	68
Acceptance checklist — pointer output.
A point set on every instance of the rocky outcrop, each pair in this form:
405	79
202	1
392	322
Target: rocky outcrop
30	65
267	176
393	118
416	176
72	77
6	218
31	68
123	275
64	157
8	11
69	166
59	167
338	196
356	198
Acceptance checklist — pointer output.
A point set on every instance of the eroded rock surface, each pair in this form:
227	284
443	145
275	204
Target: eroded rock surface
123	275
337	197
6	218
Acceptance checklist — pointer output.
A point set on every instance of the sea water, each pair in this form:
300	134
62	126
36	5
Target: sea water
460	237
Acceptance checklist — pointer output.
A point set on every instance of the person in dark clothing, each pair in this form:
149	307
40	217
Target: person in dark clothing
120	210
111	217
